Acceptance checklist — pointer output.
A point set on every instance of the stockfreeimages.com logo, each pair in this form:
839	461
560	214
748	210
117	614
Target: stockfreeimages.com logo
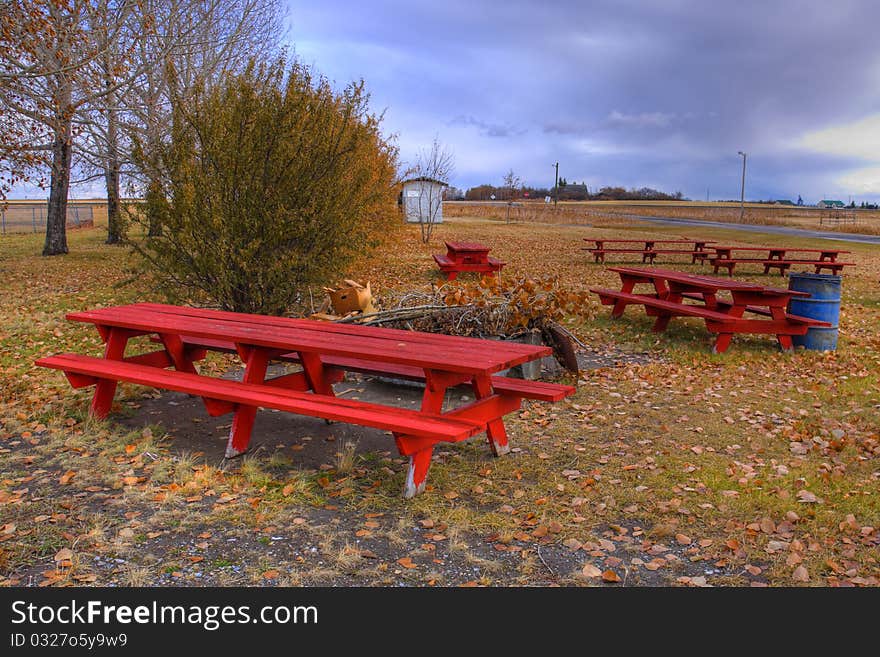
210	617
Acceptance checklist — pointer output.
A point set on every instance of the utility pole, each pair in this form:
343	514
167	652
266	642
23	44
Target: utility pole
556	186
742	195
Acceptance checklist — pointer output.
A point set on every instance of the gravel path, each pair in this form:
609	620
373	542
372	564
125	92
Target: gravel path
782	230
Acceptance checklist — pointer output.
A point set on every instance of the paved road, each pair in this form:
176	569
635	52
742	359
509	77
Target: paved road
782	230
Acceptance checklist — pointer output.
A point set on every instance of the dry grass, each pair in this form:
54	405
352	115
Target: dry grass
750	462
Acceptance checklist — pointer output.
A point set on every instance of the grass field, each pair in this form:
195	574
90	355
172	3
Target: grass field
670	466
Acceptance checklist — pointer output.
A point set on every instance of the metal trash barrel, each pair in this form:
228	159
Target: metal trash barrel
823	303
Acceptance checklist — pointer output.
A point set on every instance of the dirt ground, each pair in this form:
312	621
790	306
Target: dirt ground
194	553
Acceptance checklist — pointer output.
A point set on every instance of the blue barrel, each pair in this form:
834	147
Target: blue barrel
823	303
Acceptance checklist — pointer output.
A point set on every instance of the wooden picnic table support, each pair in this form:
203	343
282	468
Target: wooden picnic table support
725	318
649	250
325	352
776	258
467	256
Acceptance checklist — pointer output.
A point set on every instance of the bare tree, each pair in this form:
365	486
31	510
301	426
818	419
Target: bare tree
67	71
48	50
176	44
433	165
512	184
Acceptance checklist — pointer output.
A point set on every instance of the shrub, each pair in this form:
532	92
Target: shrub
272	182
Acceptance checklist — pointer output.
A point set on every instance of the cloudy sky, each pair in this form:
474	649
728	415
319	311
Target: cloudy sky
659	93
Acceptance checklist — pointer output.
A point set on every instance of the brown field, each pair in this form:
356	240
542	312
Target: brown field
596	212
670	466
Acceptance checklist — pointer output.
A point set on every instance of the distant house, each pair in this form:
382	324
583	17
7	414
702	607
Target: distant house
830	204
422	200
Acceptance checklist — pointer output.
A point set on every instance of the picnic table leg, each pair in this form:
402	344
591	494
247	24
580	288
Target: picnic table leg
417	474
785	341
117	339
314	370
661	323
627	288
243	420
451	275
177	352
495	430
722	342
662	320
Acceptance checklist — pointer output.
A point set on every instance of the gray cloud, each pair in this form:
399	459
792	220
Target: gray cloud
487	129
620	92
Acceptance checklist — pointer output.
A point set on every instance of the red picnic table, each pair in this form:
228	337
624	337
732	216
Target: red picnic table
325	351
649	250
724	316
467	256
776	258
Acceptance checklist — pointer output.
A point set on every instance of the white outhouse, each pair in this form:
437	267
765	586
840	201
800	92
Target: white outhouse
422	200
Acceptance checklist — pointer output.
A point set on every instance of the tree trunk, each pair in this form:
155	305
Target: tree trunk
114	216
111	170
62	151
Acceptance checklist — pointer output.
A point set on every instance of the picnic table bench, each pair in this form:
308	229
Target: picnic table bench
722	316
776	258
467	256
325	352
648	250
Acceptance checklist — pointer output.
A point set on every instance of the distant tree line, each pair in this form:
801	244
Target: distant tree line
567	192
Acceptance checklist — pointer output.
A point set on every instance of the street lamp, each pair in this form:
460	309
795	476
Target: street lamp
742	194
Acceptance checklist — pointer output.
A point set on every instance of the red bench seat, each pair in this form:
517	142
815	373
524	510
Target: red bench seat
86	370
670	308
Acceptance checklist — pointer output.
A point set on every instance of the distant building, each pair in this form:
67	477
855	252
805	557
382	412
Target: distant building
830	204
422	200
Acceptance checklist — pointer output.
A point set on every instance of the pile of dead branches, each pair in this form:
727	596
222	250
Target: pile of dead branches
488	308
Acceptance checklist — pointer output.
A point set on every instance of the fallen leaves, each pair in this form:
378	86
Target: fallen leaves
800	574
589	570
807	497
67	477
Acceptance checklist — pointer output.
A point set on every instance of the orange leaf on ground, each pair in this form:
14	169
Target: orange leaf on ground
800	574
406	562
64	554
67	477
591	571
610	576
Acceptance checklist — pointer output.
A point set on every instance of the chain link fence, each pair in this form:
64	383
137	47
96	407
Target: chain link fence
18	217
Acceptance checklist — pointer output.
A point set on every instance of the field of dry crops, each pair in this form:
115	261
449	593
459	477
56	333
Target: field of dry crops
597	212
670	466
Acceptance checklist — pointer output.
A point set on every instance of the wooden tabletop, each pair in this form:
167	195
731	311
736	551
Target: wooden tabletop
467	246
709	282
426	350
700	281
601	239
